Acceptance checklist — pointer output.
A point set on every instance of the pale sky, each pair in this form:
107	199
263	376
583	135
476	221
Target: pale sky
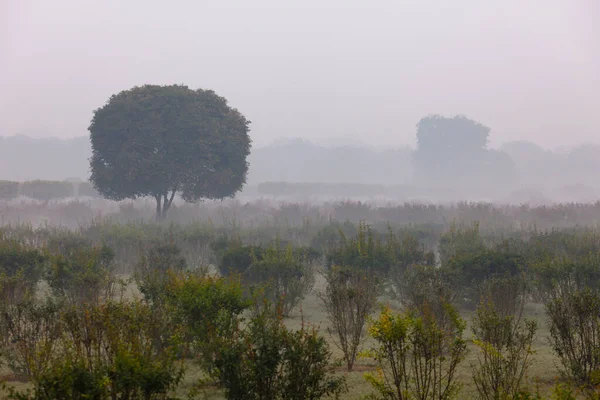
316	69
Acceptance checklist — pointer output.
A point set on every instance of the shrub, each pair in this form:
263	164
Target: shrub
267	361
282	274
8	190
416	356
556	276
82	274
47	190
287	274
235	258
28	335
574	324
406	254
207	307
349	298
459	241
505	349
472	269
152	272
364	251
21	268
426	284
106	353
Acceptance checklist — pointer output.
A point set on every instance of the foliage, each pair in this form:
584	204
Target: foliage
574	324
505	350
455	148
107	353
21	268
422	284
416	356
408	257
153	271
82	274
349	298
287	274
161	140
268	361
46	190
282	274
473	269
28	335
209	309
364	251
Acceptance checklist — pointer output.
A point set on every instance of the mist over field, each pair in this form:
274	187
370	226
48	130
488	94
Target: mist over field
306	171
299	199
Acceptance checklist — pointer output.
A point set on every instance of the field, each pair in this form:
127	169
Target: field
565	230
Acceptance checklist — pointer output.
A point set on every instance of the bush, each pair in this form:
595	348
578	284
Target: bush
47	190
21	268
556	276
364	251
426	284
406	254
287	275
505	349
28	336
349	298
107	353
152	272
207	307
82	274
235	258
473	269
574	323
416	356
8	190
267	361
281	274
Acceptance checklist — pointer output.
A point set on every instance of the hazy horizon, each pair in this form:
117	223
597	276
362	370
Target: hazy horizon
312	70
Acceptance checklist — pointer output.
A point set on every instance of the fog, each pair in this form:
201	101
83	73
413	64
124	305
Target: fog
334	89
323	71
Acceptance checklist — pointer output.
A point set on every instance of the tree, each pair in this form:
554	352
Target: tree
161	140
454	151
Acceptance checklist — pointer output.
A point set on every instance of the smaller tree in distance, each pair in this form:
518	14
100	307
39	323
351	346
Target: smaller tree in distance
162	140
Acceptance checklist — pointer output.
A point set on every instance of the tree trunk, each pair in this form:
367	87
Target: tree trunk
163	203
159	213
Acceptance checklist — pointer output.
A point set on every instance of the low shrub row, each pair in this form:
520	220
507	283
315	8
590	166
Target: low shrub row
46	190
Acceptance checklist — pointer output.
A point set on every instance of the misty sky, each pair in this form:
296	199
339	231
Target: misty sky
318	69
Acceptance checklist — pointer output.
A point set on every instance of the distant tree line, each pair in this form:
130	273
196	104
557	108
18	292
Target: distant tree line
46	190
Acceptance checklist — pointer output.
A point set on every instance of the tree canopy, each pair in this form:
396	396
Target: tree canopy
161	140
454	151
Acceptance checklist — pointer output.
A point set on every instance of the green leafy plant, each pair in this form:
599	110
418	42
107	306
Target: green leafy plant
106	352
267	361
417	356
208	308
83	274
29	332
21	268
574	323
505	350
349	299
